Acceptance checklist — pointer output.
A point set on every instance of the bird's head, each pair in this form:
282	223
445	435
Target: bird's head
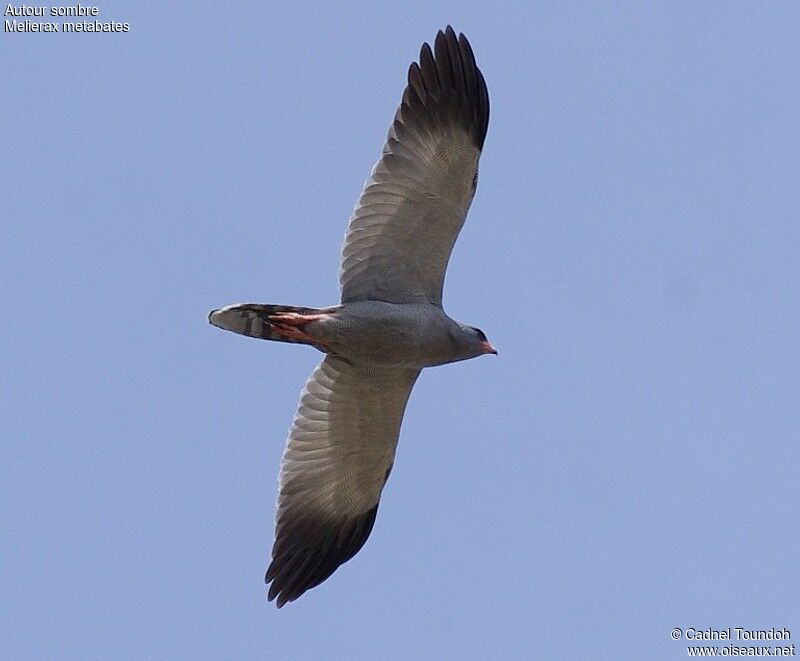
484	344
473	341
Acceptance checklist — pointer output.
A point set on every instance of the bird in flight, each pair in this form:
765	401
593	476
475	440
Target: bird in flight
389	325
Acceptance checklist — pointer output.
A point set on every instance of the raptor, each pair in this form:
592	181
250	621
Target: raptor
388	326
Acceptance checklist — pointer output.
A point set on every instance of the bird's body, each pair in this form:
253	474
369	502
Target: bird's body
413	335
388	326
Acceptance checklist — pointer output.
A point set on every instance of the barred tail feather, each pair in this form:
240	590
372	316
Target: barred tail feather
252	319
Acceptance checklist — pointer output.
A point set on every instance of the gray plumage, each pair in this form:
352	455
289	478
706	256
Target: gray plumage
390	323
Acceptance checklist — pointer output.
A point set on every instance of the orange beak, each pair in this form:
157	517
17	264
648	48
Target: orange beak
488	348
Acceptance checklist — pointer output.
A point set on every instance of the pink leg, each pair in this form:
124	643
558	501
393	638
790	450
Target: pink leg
295	318
294	333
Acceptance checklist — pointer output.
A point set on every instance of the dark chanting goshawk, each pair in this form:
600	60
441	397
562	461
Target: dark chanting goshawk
389	325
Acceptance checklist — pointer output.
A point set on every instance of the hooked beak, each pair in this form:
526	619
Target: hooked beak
488	348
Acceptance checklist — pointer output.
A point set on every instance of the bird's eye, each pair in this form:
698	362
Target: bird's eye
481	335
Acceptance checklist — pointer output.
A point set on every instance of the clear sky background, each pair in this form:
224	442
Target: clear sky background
628	464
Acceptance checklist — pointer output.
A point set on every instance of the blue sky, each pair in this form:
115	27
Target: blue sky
627	465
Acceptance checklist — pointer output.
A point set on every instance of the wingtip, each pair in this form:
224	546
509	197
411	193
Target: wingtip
301	562
438	77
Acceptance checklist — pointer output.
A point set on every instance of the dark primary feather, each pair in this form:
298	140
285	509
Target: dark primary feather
446	87
311	549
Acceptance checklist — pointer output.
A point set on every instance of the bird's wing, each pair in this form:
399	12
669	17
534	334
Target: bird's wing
338	457
414	204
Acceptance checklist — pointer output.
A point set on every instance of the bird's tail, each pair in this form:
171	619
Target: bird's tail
282	323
